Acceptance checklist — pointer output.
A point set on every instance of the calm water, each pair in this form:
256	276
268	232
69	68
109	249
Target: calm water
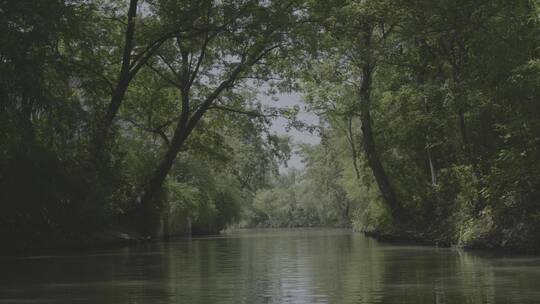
272	266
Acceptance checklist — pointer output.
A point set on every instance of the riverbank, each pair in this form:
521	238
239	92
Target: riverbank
418	238
108	240
116	239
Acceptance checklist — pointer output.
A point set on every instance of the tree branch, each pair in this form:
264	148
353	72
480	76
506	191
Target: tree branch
159	130
240	111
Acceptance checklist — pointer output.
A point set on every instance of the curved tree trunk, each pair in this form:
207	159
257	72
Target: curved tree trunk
122	83
350	139
374	162
158	177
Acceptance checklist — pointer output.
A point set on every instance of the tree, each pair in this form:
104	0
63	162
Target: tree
358	33
236	37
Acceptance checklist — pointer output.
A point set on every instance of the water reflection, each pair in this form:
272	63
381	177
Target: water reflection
272	266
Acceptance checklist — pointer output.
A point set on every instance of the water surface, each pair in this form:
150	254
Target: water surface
272	266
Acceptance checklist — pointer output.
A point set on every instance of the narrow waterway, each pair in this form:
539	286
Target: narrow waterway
272	266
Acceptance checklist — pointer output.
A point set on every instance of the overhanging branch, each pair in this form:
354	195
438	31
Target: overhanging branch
243	112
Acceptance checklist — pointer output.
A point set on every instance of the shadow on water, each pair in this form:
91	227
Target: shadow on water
272	266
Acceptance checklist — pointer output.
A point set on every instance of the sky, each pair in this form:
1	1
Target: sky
279	125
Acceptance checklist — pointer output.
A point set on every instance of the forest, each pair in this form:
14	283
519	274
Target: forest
127	120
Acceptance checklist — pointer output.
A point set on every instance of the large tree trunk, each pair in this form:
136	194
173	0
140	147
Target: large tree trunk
185	126
374	162
350	139
122	83
187	122
432	170
155	182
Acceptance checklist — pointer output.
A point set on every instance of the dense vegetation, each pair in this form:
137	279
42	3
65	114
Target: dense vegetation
132	116
144	117
436	105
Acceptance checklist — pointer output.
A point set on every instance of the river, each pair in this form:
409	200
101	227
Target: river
272	266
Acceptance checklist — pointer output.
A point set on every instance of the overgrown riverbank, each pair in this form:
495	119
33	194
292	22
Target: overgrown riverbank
483	245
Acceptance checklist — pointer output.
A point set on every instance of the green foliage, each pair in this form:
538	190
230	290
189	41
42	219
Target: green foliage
284	205
210	200
314	197
449	91
60	69
454	107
